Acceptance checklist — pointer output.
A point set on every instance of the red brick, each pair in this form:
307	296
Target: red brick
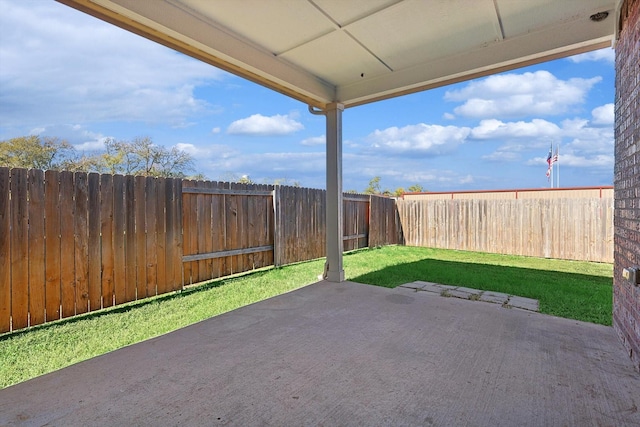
626	297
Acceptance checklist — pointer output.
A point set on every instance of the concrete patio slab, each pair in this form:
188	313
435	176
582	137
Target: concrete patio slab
428	286
413	285
494	297
475	295
459	293
470	291
348	354
523	303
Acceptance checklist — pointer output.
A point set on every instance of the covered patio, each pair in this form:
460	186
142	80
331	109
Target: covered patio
333	55
343	353
349	354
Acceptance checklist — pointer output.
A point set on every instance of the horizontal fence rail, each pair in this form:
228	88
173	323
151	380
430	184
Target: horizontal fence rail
574	229
72	243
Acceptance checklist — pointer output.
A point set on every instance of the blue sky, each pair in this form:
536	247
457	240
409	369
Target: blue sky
65	74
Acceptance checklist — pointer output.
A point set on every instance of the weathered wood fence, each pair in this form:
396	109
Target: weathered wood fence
72	243
574	229
230	228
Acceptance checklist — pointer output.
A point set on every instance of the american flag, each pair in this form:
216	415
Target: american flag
551	159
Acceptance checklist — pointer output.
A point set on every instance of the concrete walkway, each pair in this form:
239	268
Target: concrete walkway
348	354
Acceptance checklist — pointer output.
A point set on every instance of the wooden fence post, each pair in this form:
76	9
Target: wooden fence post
278	227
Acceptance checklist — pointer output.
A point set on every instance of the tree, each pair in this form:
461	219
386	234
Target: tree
373	187
245	179
142	157
416	189
284	181
35	152
399	192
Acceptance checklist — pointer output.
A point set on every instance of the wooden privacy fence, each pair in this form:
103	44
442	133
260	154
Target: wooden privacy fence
71	243
575	229
230	228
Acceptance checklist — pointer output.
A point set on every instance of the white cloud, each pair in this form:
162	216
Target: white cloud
600	161
94	145
307	168
258	124
314	140
603	115
420	139
72	67
537	93
502	155
588	139
188	148
467	179
401	172
494	129
607	55
580	143
210	151
82	139
216	130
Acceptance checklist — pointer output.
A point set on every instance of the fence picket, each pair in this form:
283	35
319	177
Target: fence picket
170	235
19	249
176	207
94	244
161	238
81	242
151	236
203	227
119	243
5	251
130	238
140	236
36	247
107	255
67	247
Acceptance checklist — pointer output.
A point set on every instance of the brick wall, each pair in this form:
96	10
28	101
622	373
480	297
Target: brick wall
626	297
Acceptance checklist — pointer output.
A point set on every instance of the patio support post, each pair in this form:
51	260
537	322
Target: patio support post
333	270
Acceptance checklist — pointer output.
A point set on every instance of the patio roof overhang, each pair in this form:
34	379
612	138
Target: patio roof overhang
334	54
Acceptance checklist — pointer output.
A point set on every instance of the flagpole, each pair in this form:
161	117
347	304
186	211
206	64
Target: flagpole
550	165
558	163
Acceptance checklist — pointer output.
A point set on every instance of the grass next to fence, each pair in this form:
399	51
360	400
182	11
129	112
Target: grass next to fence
575	290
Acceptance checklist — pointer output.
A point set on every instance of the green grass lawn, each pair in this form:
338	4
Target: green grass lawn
576	290
572	289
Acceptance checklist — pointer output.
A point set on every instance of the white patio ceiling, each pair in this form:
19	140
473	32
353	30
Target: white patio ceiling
359	51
